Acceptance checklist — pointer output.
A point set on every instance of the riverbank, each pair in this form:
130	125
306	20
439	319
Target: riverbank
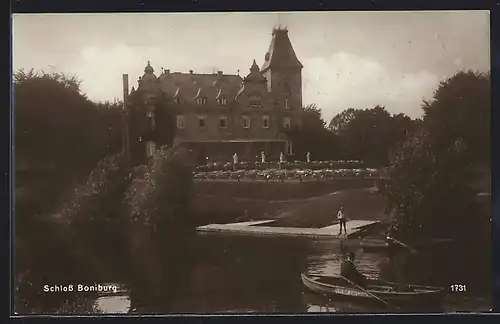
317	211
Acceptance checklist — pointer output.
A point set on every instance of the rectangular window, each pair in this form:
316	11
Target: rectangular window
265	121
289	148
246	121
287	105
287	123
202	121
223	122
181	121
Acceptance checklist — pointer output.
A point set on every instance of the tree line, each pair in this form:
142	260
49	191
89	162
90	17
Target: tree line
353	134
459	111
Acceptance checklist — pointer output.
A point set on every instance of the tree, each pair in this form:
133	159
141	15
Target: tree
313	136
369	134
165	122
430	189
429	199
429	195
342	120
56	124
460	109
312	117
140	125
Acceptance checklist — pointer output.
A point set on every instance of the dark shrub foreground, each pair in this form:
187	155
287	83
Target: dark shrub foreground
113	227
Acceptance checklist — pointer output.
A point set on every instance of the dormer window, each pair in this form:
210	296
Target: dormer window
178	100
255	101
201	101
222	101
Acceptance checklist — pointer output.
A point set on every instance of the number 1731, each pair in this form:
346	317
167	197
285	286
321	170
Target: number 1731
458	288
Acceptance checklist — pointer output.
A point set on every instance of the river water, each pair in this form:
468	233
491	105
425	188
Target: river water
244	274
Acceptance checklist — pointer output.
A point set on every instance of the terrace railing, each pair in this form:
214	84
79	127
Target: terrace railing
296	176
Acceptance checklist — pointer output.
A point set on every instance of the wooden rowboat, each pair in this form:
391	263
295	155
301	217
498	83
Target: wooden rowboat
387	291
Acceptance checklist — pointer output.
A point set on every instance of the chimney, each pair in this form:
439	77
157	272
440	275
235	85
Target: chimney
125	87
219	73
190	71
167	72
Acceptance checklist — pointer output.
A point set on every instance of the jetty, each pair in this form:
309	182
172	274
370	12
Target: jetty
260	228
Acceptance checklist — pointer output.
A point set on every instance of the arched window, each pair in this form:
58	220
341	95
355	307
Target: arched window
246	121
265	121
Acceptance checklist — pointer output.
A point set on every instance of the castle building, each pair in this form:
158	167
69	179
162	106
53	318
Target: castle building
221	114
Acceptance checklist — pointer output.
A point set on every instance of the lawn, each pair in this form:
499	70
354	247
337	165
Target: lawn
272	191
316	211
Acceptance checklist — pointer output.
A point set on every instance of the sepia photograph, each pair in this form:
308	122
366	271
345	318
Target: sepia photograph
251	162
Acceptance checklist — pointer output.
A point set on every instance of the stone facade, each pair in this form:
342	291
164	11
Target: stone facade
221	114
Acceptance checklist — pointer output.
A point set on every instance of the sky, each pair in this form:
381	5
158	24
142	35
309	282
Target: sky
351	59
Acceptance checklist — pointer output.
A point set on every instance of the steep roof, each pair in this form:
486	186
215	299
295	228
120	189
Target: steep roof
280	53
191	85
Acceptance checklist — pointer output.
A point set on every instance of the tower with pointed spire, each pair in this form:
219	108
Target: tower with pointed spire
283	70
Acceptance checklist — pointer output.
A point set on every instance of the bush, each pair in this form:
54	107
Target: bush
158	197
429	194
103	189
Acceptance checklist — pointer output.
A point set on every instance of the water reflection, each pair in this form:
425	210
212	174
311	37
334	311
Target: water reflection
243	274
259	274
114	300
112	304
326	256
321	304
